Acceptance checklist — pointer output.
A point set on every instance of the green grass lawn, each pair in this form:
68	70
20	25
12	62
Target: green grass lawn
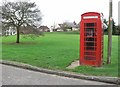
56	51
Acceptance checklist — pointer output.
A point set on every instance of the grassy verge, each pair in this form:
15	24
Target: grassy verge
56	51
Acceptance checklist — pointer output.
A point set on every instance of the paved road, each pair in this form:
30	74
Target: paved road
17	76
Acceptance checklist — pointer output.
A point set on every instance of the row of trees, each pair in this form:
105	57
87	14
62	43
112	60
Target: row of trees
116	28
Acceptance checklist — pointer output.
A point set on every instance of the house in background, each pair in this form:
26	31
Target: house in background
44	29
75	26
12	31
58	29
69	26
23	30
8	32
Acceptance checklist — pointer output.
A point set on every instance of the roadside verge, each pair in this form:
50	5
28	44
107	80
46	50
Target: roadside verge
113	80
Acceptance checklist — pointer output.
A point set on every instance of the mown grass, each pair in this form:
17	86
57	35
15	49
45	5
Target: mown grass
56	51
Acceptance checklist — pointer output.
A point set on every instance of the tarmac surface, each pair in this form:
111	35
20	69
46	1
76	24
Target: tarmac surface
18	76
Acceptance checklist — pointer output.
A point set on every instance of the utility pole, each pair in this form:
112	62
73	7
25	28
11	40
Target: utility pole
110	33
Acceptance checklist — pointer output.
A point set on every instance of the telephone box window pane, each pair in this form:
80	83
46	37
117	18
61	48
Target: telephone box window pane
90	44
90	39
90	53
90	24
90	34
89	58
90	48
89	29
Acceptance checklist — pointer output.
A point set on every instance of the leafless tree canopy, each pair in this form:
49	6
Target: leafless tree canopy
20	13
17	14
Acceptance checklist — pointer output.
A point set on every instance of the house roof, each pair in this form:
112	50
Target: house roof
70	24
43	27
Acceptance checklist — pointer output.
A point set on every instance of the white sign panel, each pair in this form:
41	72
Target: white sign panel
87	17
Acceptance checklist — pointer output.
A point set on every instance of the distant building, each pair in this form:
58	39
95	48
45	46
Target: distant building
69	26
23	30
44	29
8	32
59	29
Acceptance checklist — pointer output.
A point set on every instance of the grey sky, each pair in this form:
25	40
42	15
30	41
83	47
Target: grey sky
57	11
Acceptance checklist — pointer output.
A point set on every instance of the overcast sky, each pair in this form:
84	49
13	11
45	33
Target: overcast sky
57	11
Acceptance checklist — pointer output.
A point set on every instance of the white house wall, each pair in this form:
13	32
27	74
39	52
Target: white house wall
10	32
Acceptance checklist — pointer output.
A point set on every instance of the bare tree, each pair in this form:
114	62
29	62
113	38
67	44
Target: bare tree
17	14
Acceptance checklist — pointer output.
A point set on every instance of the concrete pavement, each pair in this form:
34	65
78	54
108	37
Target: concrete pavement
17	76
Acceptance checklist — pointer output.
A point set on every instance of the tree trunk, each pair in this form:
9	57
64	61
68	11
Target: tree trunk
18	35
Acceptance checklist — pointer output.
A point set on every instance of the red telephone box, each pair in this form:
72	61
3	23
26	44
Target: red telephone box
91	39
